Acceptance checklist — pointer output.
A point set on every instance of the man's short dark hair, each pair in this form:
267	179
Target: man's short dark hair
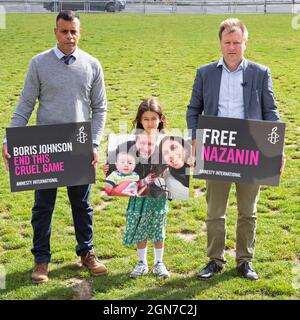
67	15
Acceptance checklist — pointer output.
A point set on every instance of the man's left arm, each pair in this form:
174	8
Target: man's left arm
99	110
269	107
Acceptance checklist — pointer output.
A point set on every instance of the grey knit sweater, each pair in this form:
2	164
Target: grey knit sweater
66	93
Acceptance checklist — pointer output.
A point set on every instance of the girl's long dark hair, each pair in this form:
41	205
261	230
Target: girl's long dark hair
150	104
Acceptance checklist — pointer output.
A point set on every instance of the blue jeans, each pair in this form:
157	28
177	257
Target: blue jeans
44	202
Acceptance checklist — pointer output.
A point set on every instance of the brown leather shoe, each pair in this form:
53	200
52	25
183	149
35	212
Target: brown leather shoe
93	264
40	273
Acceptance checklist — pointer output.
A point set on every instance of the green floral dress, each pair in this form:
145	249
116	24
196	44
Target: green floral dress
145	220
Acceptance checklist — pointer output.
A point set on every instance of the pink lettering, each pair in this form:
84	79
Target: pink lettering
53	167
239	156
223	152
254	157
23	160
24	170
230	155
214	154
40	158
205	153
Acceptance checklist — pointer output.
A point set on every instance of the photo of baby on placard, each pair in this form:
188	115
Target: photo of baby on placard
148	166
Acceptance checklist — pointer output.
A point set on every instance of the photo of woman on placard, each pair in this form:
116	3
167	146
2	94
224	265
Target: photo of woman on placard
175	152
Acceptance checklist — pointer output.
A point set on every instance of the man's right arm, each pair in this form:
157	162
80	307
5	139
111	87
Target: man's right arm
195	107
25	105
29	94
5	155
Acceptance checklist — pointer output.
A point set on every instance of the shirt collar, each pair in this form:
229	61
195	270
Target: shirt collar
242	65
60	54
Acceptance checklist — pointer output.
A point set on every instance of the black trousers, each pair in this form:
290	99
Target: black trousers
44	202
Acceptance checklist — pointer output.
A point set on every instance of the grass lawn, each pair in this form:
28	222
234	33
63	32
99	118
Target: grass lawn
156	55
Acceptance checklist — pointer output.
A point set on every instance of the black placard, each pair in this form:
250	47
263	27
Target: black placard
237	150
50	156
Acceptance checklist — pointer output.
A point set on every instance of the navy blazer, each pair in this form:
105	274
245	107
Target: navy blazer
259	102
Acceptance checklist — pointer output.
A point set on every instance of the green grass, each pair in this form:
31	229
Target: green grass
156	55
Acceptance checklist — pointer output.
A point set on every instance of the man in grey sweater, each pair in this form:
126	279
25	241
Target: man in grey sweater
69	86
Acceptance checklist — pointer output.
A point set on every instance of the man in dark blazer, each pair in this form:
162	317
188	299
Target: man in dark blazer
237	88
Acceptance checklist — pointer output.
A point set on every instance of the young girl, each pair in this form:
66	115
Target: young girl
146	217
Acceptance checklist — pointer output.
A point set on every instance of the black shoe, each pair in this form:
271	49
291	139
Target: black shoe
210	270
246	270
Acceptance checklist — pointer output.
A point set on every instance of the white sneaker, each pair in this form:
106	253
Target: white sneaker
160	270
140	269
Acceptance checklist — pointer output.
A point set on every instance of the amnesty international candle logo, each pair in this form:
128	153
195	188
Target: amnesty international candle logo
236	150
49	156
273	137
82	136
